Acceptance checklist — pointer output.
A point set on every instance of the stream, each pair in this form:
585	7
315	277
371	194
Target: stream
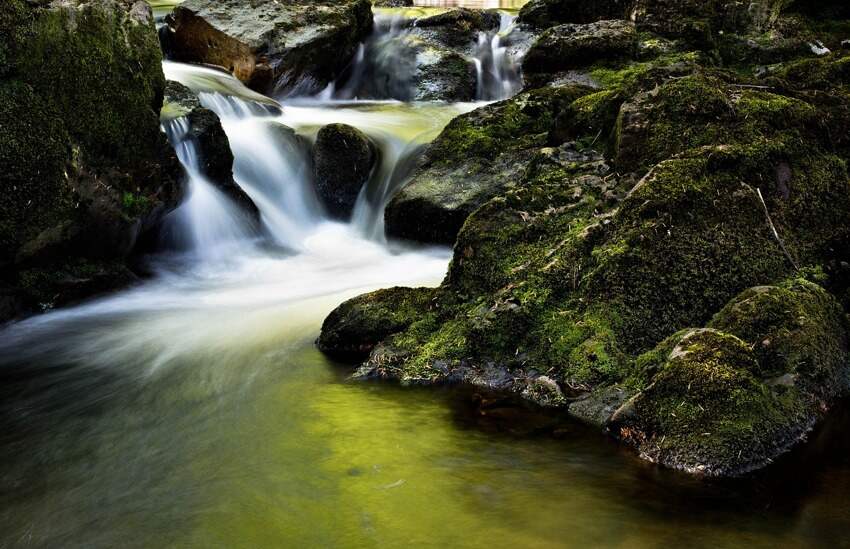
194	410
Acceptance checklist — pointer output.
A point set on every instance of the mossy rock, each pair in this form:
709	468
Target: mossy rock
573	46
477	156
81	93
730	398
548	13
352	330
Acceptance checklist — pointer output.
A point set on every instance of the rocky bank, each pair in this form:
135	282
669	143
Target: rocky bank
652	236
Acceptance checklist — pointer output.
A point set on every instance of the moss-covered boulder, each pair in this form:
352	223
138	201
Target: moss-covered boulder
573	46
86	166
343	158
477	156
730	398
458	27
353	329
548	13
280	47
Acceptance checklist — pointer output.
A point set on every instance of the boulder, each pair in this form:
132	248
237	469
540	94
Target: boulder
476	157
572	46
547	13
595	277
353	329
274	47
343	158
213	146
410	65
727	399
457	28
86	167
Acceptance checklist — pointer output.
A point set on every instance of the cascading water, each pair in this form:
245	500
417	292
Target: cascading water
386	65
497	71
208	223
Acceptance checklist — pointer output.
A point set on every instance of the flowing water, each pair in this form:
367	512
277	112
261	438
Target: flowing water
194	410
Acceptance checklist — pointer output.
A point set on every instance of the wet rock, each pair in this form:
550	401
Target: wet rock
280	47
596	408
343	158
477	156
572	46
353	329
392	3
408	66
547	13
458	27
86	165
732	397
215	155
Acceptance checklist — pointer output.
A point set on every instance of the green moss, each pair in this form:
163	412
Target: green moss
706	412
794	328
353	329
34	158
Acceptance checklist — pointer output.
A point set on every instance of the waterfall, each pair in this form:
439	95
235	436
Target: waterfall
272	166
497	72
207	223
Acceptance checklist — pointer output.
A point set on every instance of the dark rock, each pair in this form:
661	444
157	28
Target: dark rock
343	158
730	398
547	13
572	46
458	27
476	157
353	329
281	47
205	130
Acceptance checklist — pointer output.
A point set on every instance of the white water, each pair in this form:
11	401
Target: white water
207	223
497	71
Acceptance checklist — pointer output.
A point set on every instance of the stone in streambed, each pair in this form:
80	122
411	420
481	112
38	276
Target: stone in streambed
216	157
343	159
477	156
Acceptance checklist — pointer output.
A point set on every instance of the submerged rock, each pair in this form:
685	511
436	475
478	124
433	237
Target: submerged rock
343	158
275	47
86	168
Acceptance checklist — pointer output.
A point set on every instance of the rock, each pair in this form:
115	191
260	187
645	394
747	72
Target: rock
572	46
547	13
87	168
343	158
730	398
458	27
273	47
353	329
477	156
392	3
205	130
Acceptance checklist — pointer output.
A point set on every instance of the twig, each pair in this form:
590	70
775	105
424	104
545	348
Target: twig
775	232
